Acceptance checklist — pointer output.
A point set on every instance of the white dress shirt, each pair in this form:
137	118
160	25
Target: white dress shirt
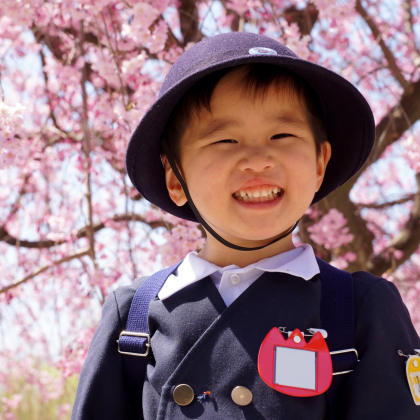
232	281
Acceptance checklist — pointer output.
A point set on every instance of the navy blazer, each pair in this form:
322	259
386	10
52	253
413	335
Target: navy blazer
197	340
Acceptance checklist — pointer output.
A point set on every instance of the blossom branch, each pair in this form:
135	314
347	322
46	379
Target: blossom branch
305	18
137	197
67	136
116	59
86	151
79	254
44	73
386	51
16	206
1	89
125	217
188	17
235	23
362	244
407	241
399	119
387	203
130	234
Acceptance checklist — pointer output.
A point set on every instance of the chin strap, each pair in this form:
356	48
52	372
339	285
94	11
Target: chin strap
201	219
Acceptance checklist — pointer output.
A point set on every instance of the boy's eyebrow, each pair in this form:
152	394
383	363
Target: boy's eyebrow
287	118
217	125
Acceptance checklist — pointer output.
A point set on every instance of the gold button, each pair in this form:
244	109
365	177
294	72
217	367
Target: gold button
183	394
241	395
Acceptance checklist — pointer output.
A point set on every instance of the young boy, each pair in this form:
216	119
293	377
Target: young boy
243	138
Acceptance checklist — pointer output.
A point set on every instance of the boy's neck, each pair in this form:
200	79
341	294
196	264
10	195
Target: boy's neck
222	256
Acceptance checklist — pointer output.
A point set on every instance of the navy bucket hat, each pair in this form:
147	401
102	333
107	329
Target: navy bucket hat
348	118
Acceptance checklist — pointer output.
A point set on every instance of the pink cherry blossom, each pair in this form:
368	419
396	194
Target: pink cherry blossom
331	231
412	151
11	132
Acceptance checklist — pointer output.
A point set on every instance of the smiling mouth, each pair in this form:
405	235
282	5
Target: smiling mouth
258	194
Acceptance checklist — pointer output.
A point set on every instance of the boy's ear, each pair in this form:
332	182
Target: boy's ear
322	163
175	190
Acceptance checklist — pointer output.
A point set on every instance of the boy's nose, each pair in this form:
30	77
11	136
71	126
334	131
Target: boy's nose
256	160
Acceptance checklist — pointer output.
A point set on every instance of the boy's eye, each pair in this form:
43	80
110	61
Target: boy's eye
225	141
281	136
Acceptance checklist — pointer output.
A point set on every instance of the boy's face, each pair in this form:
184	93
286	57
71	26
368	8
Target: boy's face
250	166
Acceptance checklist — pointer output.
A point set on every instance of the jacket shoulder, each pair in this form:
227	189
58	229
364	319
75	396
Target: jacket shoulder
363	283
380	310
377	388
377	293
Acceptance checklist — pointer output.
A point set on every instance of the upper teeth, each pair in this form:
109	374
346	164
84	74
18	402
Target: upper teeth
258	193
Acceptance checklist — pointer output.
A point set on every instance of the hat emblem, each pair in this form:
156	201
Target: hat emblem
262	51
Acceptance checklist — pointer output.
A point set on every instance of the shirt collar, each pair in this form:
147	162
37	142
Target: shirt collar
299	262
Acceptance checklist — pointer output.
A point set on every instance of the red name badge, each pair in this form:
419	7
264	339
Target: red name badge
293	366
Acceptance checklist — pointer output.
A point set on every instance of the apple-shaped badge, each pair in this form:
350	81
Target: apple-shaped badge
293	366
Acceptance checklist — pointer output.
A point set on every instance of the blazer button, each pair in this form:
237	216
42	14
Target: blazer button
241	395
183	394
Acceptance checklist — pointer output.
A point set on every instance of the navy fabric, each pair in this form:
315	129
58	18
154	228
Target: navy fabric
198	341
135	366
337	314
348	118
338	319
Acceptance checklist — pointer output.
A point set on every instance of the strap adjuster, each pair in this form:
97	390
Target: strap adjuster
135	334
345	351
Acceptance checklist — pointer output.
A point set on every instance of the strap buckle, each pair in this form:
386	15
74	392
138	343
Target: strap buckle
135	334
345	351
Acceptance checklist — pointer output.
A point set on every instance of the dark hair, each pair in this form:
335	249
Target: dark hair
257	80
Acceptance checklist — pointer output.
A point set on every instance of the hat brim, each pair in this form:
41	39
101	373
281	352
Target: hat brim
349	123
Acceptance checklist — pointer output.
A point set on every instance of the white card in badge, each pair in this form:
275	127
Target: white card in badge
295	368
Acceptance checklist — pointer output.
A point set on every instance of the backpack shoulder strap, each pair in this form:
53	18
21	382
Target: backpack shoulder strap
134	341
337	315
338	319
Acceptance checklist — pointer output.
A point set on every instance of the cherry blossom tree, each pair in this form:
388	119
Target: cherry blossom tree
76	78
